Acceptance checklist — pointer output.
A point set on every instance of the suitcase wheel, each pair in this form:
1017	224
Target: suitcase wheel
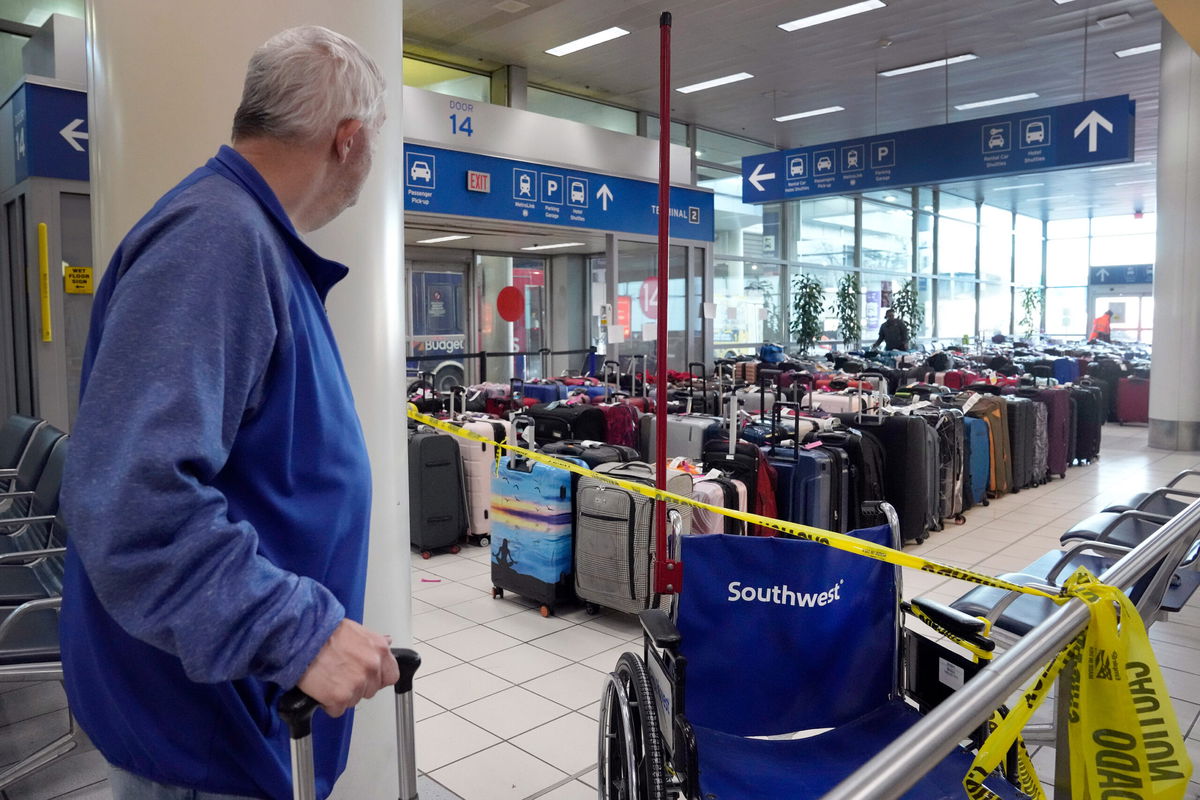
426	554
483	541
591	609
960	520
497	593
986	502
546	611
455	548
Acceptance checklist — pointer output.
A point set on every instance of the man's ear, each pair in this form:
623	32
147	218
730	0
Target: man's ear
344	138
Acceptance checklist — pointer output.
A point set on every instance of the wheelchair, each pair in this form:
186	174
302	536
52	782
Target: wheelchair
783	667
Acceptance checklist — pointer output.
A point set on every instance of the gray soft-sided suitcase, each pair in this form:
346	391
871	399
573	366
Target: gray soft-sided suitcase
614	536
686	435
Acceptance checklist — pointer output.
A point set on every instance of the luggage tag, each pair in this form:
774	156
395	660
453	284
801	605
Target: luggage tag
971	401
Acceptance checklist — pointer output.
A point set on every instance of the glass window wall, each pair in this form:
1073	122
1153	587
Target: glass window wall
637	265
822	231
995	243
995	309
1028	249
447	80
742	229
678	130
925	240
887	237
956	247
749	299
589	112
719	148
955	309
1066	312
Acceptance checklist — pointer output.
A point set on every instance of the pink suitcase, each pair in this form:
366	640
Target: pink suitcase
479	462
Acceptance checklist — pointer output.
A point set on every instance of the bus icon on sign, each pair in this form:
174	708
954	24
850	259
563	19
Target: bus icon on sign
577	191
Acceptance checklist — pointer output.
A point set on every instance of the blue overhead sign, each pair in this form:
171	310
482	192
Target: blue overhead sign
444	181
50	132
1125	275
1060	137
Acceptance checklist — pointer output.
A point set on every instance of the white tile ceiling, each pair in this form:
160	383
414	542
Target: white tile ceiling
1023	46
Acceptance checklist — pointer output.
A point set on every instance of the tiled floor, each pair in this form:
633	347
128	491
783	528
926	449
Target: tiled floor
507	701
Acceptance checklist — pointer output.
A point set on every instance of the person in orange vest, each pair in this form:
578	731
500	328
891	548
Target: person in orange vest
1102	328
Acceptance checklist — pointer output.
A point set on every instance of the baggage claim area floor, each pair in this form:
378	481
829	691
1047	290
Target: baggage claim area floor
507	701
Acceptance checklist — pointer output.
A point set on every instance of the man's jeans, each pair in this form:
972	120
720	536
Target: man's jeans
127	786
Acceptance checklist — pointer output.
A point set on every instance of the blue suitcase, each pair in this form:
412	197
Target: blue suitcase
978	459
545	392
804	479
533	531
1066	370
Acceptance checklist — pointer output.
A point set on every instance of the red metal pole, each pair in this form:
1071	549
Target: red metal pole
666	571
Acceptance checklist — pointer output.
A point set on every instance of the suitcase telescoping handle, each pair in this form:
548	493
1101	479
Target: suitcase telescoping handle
777	424
296	709
545	354
610	374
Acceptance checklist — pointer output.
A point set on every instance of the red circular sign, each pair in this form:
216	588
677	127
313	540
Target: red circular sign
510	304
648	298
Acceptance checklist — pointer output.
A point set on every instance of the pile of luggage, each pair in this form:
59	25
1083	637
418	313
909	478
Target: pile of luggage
802	442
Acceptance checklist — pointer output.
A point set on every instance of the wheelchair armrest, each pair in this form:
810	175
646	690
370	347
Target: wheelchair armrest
659	627
10	495
964	626
10	472
20	522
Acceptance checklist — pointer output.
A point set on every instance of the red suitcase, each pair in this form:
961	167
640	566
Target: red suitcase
1133	400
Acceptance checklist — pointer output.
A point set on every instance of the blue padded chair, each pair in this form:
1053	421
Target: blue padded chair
774	636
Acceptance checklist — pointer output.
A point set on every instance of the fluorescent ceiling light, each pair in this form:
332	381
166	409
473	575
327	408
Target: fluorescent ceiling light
830	16
814	113
997	101
941	62
439	239
1061	2
697	87
588	41
1018	186
1114	20
553	246
1137	51
1132	183
1051	197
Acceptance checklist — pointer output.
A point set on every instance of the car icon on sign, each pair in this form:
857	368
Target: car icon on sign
996	137
1035	132
524	185
824	163
420	171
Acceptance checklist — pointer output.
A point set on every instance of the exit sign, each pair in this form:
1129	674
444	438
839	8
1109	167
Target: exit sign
479	181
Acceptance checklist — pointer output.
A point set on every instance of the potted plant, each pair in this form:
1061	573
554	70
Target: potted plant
808	305
908	307
846	309
1031	307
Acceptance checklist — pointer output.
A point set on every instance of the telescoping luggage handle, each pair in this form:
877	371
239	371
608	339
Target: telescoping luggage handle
296	709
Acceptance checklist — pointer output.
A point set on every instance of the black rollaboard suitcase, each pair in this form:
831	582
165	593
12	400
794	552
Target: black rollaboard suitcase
592	453
1021	430
437	512
910	467
555	422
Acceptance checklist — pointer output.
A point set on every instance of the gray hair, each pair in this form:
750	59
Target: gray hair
303	82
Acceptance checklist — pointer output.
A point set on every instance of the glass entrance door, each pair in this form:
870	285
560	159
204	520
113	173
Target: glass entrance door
521	336
438	321
1133	316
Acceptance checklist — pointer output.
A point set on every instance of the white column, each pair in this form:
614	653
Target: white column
165	81
1175	384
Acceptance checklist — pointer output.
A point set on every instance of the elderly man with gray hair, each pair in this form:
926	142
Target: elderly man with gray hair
217	489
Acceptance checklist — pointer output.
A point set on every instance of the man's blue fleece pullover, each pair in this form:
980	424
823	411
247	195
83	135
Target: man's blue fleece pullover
217	493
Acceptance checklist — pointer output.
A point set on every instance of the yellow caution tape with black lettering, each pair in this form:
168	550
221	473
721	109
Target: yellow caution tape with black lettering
1124	738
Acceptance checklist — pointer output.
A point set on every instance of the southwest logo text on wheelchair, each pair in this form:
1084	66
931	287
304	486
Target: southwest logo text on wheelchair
783	596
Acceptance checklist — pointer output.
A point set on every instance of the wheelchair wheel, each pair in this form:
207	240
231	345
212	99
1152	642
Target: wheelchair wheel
631	751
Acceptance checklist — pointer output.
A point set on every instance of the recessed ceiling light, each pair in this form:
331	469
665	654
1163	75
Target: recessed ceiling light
830	16
511	6
1120	166
588	41
814	113
697	87
1137	51
997	101
440	239
1018	186
1114	20
889	198
941	62
553	246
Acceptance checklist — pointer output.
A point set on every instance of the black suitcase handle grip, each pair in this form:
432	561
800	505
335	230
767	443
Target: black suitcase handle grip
296	708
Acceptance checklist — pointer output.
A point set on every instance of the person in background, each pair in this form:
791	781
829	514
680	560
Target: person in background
1102	328
893	332
217	490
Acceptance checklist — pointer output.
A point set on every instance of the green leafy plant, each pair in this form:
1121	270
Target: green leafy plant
908	307
1031	308
808	304
846	309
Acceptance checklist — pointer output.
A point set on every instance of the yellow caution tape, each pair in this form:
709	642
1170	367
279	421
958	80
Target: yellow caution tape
966	644
1124	738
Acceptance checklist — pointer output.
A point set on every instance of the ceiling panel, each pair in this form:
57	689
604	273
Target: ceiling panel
1023	46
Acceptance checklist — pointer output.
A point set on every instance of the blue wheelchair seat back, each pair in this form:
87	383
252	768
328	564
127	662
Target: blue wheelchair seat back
782	635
